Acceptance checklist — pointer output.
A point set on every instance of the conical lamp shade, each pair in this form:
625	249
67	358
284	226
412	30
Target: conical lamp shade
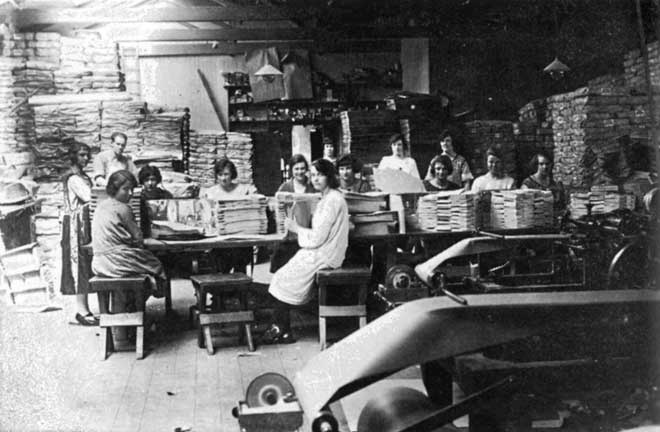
556	67
268	70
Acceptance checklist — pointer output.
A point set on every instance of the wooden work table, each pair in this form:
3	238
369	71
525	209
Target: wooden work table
389	242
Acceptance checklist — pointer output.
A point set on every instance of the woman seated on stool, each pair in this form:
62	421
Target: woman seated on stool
117	240
299	183
322	246
348	166
440	170
226	189
150	178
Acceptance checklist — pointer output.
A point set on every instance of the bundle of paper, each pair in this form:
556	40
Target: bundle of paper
162	229
427	212
512	209
246	216
543	208
298	206
463	211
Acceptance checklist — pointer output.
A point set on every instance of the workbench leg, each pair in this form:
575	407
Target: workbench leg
208	339
248	336
139	342
322	335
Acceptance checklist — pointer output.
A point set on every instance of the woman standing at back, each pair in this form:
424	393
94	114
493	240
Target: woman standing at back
77	187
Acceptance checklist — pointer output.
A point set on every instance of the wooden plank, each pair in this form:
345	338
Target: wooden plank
342	311
214	103
26	18
226	317
163	35
122	319
78	98
227	48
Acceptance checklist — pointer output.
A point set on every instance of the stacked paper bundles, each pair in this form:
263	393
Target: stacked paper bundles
203	145
577	204
246	216
238	148
368	202
543	208
443	212
160	136
604	199
511	209
427	212
56	122
298	205
122	116
463	211
16	121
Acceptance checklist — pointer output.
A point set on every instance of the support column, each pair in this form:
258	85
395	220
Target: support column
415	65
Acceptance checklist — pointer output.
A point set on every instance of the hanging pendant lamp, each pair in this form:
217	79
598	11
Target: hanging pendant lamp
556	69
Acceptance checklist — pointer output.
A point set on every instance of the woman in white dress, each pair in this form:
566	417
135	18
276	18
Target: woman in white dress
322	246
399	160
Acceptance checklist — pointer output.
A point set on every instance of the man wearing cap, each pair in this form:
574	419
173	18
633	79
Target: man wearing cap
113	159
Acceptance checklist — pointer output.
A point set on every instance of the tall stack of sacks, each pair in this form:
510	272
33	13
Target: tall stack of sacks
159	136
17	120
481	135
587	124
88	64
55	123
633	65
123	116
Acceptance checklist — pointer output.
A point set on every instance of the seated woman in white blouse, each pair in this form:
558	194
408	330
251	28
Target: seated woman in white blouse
495	178
225	187
399	160
322	246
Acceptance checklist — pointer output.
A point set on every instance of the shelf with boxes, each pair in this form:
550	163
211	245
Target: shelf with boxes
246	114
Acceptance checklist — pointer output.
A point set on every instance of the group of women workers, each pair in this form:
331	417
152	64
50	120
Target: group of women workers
322	241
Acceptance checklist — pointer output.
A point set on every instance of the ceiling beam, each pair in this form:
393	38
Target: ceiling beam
228	48
25	18
273	34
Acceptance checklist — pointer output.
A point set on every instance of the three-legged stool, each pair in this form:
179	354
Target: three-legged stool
107	287
218	284
356	278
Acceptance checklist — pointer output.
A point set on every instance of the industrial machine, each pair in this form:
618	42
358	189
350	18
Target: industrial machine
506	313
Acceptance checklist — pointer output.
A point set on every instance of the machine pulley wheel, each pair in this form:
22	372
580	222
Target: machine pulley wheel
268	389
395	409
399	277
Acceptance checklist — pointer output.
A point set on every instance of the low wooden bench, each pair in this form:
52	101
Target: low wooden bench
221	284
107	287
354	278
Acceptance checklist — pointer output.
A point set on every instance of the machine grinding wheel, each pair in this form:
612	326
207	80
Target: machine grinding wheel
395	409
268	389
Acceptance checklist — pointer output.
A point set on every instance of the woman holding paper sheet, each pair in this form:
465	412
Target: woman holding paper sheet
299	183
322	246
227	189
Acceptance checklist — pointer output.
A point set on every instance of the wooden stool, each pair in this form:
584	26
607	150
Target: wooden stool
104	287
218	284
356	278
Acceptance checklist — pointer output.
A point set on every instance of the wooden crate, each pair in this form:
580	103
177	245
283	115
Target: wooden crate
21	277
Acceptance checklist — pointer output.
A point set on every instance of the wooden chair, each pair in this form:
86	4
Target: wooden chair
220	284
355	278
107	287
